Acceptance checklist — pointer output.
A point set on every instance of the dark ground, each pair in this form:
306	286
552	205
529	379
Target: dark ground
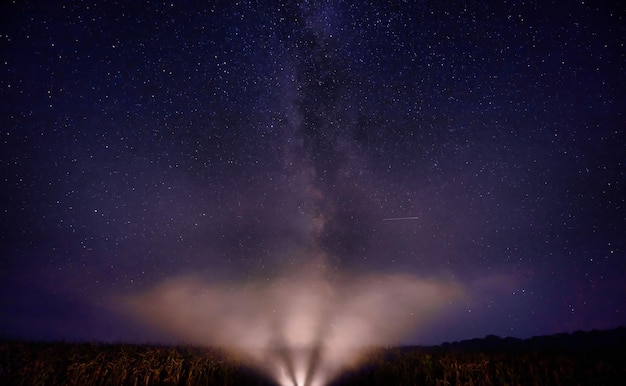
579	358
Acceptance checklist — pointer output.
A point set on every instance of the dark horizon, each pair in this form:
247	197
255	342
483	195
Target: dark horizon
476	147
579	339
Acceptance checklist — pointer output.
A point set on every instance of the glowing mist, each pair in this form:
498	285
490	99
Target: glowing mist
302	329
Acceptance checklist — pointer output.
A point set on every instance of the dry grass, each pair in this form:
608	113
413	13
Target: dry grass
25	363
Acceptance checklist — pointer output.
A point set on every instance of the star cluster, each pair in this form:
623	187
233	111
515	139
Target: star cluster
143	140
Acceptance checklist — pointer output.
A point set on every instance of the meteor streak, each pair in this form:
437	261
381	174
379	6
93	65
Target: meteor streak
400	218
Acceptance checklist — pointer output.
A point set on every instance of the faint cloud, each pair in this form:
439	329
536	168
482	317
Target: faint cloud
303	327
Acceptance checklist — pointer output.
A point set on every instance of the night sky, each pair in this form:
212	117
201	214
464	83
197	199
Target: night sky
480	143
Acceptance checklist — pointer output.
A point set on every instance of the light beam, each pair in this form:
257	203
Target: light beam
302	328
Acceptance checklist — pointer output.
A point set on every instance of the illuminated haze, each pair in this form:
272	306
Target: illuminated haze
301	328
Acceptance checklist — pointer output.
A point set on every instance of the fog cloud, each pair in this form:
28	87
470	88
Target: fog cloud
301	328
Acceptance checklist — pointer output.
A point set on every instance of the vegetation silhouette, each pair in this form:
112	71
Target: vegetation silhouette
581	358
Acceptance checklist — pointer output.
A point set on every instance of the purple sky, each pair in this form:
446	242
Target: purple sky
144	142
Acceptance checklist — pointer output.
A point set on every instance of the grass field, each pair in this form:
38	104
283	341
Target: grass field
491	361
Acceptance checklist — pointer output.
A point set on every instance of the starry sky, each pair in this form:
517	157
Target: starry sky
480	142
